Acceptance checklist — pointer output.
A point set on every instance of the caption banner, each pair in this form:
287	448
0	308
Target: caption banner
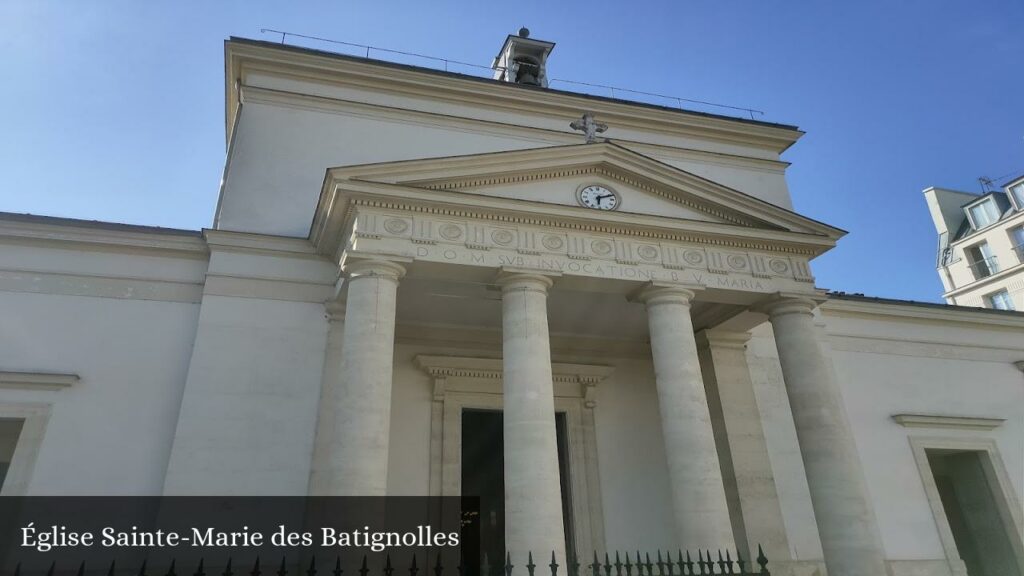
82	535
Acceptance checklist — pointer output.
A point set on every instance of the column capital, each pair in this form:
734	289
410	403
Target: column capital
656	293
335	311
389	269
781	304
716	338
524	279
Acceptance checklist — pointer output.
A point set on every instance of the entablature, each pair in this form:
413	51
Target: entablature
466	239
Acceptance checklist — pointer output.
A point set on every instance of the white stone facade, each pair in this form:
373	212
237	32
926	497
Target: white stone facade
393	246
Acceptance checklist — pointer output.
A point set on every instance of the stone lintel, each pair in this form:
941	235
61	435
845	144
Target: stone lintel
37	380
945	421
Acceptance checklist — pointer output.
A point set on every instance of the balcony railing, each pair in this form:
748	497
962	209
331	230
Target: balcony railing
984	268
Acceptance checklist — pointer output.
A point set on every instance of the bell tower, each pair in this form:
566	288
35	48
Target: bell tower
523	60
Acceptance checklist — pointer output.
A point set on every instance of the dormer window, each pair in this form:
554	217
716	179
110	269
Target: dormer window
983	213
1016	193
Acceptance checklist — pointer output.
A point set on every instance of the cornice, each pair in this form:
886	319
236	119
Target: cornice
259	243
934	313
609	159
46	231
244	56
941	421
37	380
492	369
328	227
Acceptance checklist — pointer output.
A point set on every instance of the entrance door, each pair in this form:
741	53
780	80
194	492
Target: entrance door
483	476
973	512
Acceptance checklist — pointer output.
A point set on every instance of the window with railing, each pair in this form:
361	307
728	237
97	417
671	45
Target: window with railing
982	262
1017	240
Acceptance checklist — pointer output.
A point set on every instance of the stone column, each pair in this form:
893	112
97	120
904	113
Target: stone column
533	495
742	448
846	521
698	494
352	443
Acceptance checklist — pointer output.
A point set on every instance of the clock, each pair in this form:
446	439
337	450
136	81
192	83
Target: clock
598	197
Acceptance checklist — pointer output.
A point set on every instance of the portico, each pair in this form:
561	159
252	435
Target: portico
474	228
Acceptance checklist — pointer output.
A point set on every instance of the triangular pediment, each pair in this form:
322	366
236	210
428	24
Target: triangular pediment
555	175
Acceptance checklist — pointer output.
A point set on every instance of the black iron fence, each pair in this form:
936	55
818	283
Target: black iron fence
704	563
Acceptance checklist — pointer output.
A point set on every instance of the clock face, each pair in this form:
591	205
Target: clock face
598	197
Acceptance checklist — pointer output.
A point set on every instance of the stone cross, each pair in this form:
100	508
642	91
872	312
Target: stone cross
589	128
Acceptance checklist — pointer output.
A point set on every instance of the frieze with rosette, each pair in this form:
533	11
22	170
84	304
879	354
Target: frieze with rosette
481	235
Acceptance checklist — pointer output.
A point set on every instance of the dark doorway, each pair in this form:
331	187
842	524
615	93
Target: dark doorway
483	476
973	512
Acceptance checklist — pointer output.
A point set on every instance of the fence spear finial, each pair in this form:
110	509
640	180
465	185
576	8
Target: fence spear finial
762	560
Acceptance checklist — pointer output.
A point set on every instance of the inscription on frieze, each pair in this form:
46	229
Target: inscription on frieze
613	270
478	242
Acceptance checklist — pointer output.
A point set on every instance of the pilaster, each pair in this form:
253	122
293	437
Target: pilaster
742	449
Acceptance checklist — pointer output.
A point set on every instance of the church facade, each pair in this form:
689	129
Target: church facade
597	315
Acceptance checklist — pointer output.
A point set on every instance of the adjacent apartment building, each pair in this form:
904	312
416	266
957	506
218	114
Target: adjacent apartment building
981	245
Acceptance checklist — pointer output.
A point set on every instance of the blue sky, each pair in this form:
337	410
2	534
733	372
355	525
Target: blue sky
114	110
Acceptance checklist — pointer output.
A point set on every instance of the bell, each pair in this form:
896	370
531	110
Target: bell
527	74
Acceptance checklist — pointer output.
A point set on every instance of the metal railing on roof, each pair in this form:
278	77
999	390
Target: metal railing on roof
450	65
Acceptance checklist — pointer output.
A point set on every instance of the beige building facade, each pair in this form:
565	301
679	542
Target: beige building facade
981	245
422	283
